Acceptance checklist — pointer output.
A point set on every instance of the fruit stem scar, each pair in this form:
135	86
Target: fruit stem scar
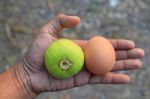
65	64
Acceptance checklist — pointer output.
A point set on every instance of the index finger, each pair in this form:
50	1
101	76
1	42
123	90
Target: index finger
122	44
81	43
118	44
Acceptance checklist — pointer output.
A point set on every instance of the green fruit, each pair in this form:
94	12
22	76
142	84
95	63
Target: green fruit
64	58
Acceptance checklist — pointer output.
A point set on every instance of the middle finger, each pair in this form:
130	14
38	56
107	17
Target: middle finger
129	54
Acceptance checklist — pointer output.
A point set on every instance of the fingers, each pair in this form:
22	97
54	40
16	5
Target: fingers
120	54
127	54
81	43
59	22
118	44
128	60
121	44
128	64
110	78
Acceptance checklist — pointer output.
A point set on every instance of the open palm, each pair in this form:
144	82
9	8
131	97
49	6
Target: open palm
41	81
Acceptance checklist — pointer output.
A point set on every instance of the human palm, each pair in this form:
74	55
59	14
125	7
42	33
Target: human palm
40	80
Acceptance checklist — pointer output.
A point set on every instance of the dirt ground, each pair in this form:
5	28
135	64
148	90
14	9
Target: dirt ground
128	19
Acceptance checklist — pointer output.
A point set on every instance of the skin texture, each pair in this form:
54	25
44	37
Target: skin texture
30	77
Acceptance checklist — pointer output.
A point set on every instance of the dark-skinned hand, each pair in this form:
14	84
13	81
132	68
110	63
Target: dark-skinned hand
31	69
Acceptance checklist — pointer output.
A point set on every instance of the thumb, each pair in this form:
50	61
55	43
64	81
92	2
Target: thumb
59	22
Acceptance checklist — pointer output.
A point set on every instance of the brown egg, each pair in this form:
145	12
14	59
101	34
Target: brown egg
99	55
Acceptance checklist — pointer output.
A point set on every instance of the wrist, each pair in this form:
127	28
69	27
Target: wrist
22	82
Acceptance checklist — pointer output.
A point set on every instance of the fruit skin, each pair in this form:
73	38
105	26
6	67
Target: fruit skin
60	50
99	56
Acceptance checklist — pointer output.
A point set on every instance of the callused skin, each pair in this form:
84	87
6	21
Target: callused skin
22	80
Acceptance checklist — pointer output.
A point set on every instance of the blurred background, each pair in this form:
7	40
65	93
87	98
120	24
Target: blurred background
129	19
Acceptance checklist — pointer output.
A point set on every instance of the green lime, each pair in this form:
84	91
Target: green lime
64	58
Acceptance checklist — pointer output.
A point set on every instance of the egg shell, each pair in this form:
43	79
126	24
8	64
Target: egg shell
99	55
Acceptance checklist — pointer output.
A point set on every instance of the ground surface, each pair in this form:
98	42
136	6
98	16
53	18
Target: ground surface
110	18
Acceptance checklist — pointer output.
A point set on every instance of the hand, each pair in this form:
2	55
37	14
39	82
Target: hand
32	70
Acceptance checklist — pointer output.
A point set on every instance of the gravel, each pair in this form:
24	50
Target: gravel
127	19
